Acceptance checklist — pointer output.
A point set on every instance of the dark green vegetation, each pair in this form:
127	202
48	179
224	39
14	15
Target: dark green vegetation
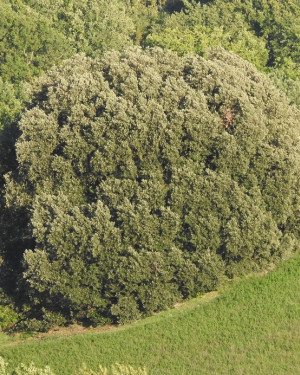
131	180
264	32
252	328
34	35
144	178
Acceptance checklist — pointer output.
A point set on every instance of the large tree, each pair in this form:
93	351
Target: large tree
146	177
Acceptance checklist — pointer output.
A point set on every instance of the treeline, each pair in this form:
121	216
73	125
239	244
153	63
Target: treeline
135	178
36	35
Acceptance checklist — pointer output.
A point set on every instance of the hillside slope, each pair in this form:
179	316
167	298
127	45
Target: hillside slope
252	327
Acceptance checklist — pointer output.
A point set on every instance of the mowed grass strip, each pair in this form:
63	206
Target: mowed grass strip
252	327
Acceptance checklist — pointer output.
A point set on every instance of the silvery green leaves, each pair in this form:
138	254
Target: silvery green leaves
149	177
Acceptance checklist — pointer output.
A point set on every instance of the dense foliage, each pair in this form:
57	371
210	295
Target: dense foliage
35	35
145	178
264	32
29	43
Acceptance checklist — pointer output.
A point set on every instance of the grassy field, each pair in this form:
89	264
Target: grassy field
251	327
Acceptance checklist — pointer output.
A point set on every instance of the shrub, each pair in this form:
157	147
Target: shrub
148	177
8	317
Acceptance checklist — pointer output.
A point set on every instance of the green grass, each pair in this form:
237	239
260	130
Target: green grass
252	327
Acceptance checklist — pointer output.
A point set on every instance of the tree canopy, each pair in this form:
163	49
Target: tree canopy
35	35
133	177
146	177
266	33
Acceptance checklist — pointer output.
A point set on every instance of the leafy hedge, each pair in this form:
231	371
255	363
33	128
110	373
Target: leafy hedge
144	178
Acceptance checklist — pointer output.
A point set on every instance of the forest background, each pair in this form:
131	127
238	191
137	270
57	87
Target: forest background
36	35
